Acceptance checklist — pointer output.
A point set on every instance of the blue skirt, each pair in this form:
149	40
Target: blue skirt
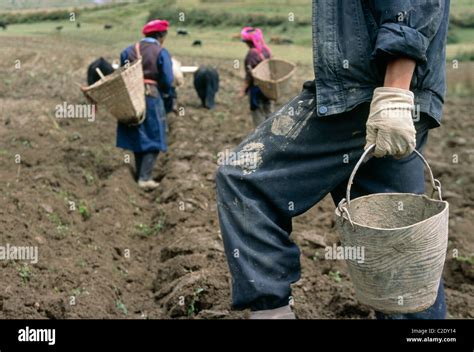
256	97
150	136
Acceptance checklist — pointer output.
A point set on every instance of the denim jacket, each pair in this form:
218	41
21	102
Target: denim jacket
354	39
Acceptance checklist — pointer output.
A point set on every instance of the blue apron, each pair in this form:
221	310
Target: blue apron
150	136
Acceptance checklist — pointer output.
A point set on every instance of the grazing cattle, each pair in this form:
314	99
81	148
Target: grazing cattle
280	40
206	83
78	25
103	65
181	31
58	28
286	41
108	26
3	25
197	43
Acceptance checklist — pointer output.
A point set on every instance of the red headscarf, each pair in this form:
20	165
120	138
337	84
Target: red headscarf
155	26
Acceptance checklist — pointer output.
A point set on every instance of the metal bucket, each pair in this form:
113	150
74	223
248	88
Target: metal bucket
404	238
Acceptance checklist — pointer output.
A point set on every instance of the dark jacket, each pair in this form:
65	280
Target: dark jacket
251	61
354	39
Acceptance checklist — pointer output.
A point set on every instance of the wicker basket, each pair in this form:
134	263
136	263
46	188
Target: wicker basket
272	77
121	93
405	239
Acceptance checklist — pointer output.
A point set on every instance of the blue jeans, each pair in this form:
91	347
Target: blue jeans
286	166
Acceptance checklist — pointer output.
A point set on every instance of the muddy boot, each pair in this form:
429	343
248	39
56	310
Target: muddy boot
148	185
278	313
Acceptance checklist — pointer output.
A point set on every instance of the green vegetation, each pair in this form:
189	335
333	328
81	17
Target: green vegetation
61	227
214	22
18	17
49	4
193	306
154	230
467	259
84	211
25	272
121	307
89	178
335	275
462	13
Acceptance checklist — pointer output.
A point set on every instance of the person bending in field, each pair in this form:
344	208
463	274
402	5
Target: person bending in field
260	105
148	139
380	79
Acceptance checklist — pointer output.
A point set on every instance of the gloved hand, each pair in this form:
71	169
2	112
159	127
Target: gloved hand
390	124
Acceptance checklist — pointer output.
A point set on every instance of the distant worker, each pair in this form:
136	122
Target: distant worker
149	138
260	105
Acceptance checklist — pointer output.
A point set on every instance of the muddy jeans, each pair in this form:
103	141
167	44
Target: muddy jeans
144	163
286	166
262	112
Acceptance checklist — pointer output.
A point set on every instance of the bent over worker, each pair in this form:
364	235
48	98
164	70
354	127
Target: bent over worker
380	79
148	139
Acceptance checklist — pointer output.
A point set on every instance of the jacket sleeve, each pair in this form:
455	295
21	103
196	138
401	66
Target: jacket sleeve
165	68
406	27
123	57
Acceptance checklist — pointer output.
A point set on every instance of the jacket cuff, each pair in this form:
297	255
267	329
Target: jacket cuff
397	40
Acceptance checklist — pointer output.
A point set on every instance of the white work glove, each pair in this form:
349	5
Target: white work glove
390	124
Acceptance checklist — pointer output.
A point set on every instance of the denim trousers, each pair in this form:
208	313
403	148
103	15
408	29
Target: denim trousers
144	163
281	170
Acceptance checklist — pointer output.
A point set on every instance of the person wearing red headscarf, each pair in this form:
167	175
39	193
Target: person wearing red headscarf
149	138
260	105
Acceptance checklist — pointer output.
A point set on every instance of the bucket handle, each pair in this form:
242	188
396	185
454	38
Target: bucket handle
435	183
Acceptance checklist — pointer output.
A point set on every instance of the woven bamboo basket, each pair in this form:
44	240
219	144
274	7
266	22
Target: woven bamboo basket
272	76
404	237
121	93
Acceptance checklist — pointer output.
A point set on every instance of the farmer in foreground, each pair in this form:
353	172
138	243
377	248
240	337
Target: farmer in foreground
380	79
260	105
149	138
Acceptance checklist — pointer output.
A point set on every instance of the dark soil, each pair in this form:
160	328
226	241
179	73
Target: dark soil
159	254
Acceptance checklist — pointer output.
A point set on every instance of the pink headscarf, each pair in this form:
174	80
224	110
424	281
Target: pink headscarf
255	36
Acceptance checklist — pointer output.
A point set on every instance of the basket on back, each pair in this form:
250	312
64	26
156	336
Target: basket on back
121	93
272	76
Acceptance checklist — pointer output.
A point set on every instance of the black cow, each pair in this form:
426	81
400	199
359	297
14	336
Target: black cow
103	65
78	25
197	43
108	26
206	83
3	25
181	31
58	28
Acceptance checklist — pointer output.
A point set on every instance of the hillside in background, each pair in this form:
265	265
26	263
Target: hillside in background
41	4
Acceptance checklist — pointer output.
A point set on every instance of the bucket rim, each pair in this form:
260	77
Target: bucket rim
445	203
